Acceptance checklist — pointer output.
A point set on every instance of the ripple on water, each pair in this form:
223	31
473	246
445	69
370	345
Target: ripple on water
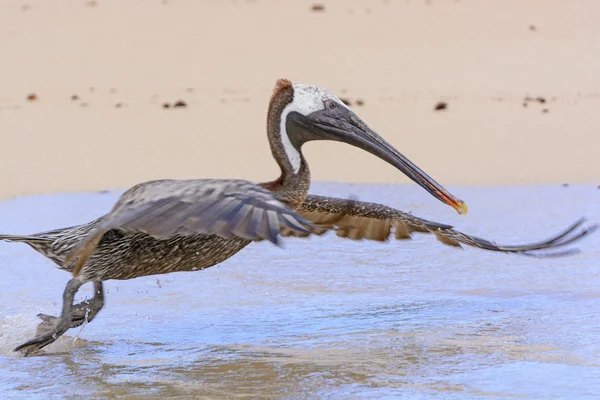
411	319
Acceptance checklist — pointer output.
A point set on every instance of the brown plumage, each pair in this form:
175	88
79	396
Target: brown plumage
281	84
168	226
357	220
230	209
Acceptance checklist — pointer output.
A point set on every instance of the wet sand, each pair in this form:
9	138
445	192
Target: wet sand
101	72
405	319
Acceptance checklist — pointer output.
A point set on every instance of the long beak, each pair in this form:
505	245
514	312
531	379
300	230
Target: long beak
352	130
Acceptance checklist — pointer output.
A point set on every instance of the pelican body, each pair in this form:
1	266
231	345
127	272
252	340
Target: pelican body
165	226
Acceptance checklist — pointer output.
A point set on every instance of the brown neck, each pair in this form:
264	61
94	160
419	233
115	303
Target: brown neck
293	184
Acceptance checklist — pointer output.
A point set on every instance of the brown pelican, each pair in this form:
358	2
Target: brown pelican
167	226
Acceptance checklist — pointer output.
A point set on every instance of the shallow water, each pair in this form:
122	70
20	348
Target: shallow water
325	317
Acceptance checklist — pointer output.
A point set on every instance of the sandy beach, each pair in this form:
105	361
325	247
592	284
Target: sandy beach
84	83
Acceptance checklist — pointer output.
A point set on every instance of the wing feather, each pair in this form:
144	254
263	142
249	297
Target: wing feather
357	220
221	207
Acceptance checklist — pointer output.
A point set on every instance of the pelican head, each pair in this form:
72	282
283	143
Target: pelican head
312	113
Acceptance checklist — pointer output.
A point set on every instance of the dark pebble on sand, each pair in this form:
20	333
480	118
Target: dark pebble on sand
317	8
360	102
441	106
180	104
32	97
166	105
346	101
74	97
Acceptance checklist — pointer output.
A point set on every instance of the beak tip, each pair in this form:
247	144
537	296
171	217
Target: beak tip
462	207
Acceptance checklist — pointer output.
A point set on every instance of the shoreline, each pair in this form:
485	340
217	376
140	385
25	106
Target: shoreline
401	185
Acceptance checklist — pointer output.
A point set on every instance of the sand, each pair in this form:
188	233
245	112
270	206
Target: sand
100	72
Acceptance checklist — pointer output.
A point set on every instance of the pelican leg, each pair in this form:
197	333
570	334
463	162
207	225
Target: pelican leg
59	325
82	312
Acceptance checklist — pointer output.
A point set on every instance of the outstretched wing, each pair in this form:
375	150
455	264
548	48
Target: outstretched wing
222	207
362	220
